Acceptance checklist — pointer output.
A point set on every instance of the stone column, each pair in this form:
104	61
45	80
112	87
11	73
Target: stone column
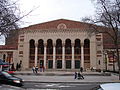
82	55
73	59
45	45
36	53
54	49
63	56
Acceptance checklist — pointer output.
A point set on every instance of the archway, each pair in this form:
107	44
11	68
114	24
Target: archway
68	52
41	53
77	52
31	53
86	53
59	53
50	53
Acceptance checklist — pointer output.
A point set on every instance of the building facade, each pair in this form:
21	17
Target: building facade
60	45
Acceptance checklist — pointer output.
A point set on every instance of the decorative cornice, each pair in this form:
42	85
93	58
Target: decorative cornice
53	30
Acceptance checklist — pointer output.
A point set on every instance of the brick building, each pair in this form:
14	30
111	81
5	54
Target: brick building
60	44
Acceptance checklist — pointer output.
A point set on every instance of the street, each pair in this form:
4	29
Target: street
59	86
51	86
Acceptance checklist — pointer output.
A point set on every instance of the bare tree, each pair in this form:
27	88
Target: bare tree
10	15
108	15
8	19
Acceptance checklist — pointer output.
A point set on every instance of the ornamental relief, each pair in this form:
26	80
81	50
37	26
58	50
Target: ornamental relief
61	26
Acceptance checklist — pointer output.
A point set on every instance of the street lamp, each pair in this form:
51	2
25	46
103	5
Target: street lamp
113	54
105	59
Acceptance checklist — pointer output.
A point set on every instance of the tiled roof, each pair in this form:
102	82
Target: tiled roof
53	25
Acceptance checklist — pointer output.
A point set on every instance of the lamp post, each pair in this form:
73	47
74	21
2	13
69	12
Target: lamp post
113	54
105	59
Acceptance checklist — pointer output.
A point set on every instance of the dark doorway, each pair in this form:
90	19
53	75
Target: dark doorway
68	64
41	63
50	64
77	64
59	64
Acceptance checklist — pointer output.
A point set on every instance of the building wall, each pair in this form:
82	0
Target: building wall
54	34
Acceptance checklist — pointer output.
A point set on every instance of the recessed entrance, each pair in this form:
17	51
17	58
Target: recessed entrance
50	64
68	64
77	64
59	64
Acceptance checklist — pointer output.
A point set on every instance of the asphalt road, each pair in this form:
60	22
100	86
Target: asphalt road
59	86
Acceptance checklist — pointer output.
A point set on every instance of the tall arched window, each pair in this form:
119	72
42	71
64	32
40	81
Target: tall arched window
31	52
49	46
77	46
68	47
87	53
40	46
58	46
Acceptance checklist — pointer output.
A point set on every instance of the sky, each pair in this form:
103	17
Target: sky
48	10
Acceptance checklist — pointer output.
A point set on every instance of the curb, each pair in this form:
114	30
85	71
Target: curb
53	74
69	82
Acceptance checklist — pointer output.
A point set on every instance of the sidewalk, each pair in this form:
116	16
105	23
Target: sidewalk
66	77
60	73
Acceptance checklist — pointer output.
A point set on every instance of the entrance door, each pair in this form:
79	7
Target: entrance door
77	64
50	64
68	64
59	64
41	63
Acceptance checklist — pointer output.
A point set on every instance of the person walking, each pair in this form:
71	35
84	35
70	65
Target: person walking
43	68
36	69
80	76
81	69
40	68
75	75
33	69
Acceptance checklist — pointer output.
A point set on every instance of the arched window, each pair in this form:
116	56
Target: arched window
77	46
40	46
58	46
68	46
49	46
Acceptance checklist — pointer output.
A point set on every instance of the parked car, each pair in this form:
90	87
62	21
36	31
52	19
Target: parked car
6	78
109	86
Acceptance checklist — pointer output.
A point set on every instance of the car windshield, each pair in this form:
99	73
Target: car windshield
6	74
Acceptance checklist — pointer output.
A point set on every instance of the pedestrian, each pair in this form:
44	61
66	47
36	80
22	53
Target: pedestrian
17	66
75	75
36	69
81	69
33	69
43	68
80	76
40	68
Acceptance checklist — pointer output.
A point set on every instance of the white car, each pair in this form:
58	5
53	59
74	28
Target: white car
110	86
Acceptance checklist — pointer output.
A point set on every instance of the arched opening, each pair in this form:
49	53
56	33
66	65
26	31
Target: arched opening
59	53
86	53
77	52
41	52
68	52
31	52
50	53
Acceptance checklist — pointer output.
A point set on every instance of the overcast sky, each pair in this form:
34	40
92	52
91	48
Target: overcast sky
47	10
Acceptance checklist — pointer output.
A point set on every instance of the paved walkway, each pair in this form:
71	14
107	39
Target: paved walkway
62	76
